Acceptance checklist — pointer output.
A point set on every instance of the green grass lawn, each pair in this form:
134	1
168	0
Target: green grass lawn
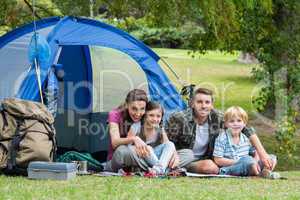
214	70
91	187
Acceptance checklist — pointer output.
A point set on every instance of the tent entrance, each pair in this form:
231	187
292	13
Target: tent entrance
77	79
96	80
103	76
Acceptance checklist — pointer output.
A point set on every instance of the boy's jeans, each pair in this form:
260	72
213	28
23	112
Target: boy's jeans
242	166
161	155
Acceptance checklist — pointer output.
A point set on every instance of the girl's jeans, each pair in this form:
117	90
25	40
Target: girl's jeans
161	155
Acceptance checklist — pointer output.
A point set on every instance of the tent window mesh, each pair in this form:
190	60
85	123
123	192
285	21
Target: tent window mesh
114	74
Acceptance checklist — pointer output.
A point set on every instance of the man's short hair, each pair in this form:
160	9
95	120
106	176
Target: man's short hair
204	91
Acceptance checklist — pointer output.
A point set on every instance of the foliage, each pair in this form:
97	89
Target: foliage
77	7
261	101
285	136
167	37
14	13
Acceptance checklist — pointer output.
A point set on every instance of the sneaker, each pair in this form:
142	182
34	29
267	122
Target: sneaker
157	169
122	172
266	173
177	172
150	174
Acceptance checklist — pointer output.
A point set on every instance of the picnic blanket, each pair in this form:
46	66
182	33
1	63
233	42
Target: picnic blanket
195	175
178	173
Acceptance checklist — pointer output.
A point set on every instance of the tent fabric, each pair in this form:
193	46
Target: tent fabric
69	39
14	55
19	32
73	31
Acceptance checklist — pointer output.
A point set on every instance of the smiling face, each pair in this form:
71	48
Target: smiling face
235	124
202	105
235	119
136	110
153	118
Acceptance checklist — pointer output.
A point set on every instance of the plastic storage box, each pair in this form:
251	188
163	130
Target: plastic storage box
51	170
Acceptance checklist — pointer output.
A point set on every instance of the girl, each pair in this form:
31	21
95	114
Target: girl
159	149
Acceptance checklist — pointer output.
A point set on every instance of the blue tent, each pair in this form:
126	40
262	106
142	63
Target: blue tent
101	64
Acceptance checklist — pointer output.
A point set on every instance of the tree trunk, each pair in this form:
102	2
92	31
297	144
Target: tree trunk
247	58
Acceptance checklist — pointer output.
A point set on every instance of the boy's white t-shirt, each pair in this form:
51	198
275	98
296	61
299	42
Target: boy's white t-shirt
202	138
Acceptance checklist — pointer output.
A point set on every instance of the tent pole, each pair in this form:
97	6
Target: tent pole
37	67
181	82
57	55
38	72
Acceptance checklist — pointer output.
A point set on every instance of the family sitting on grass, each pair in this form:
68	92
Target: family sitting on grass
200	138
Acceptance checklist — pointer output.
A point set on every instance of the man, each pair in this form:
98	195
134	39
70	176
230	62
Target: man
194	130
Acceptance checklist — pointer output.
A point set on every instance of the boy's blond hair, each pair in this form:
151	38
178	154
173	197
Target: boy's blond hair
235	111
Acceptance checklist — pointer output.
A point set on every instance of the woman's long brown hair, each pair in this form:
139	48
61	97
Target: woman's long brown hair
133	95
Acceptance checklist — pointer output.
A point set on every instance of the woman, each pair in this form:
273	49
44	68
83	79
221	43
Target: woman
119	122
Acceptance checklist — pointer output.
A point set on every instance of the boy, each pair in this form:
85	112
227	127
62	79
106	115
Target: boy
232	152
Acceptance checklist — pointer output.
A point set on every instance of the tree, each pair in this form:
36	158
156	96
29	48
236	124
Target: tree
78	7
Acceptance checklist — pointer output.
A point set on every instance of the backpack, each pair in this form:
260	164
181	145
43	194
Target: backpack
26	134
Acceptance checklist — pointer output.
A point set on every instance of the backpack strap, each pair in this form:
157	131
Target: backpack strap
12	168
14	146
5	123
53	139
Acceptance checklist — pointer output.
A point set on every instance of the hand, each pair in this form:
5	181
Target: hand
174	162
131	138
141	147
267	162
130	134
